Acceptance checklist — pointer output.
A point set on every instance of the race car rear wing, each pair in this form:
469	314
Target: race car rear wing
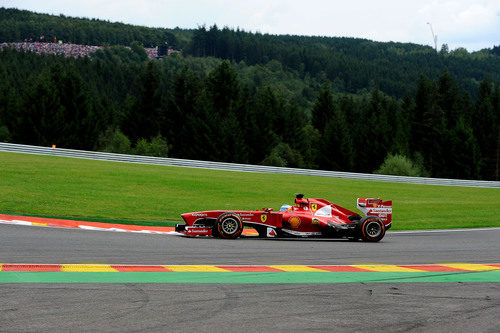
376	207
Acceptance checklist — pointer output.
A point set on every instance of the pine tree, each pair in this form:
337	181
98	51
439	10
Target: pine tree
80	130
144	114
183	104
223	94
323	108
496	106
260	123
402	120
374	139
464	153
423	102
429	129
336	147
223	89
448	99
485	128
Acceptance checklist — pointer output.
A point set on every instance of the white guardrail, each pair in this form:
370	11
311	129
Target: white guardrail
92	155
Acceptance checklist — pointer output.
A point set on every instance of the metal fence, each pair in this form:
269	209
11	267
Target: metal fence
111	157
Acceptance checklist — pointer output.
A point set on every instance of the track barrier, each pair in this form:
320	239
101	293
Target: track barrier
112	157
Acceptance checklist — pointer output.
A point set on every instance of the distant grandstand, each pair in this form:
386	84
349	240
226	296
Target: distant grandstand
75	50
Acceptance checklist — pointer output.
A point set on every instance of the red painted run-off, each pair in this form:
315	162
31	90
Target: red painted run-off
76	224
30	268
234	268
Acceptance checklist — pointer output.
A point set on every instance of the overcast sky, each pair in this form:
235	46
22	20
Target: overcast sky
458	23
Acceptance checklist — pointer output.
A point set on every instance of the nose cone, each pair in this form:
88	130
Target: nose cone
186	216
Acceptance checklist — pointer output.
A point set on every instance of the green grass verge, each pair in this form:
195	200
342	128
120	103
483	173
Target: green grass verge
246	277
156	195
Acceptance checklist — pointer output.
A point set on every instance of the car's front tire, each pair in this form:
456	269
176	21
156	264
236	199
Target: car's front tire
229	226
372	229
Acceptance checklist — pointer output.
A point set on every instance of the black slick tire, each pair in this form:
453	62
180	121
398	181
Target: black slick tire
229	226
372	229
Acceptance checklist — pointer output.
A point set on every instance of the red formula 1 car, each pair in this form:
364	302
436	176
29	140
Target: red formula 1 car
308	218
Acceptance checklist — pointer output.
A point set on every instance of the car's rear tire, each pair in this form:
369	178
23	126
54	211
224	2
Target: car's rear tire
229	226
372	229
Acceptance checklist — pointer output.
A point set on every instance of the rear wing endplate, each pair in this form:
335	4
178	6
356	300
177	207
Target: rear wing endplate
376	207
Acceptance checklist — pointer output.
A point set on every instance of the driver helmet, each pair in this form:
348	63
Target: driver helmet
285	208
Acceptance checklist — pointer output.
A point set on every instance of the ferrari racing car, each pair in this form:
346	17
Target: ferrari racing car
307	218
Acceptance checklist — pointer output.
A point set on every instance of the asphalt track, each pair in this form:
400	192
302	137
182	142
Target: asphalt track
383	307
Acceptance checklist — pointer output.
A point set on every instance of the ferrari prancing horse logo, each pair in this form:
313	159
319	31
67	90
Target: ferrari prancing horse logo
263	218
314	207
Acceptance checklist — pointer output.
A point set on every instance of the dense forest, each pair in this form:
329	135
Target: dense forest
313	102
18	25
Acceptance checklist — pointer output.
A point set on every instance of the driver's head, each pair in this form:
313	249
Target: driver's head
284	208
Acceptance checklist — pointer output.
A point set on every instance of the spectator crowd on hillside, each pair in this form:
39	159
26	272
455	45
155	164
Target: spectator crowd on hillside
151	52
68	49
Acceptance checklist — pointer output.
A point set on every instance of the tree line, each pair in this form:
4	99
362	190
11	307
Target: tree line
19	25
353	65
209	109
